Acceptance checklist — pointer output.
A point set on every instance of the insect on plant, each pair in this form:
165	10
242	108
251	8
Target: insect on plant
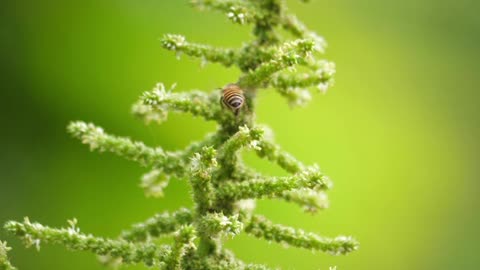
233	98
224	188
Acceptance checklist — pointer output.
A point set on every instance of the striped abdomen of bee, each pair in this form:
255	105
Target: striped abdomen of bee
233	98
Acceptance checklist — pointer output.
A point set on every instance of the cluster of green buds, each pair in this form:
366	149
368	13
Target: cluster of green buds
4	262
224	189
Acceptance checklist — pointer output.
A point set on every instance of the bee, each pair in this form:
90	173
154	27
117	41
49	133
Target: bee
233	98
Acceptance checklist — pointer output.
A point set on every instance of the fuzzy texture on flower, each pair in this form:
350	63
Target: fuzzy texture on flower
4	262
273	186
215	223
35	234
311	200
159	224
260	227
223	188
178	43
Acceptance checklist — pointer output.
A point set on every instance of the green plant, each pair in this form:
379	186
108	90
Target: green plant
224	189
4	263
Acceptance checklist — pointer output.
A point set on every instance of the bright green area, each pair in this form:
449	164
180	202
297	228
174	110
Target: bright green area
398	133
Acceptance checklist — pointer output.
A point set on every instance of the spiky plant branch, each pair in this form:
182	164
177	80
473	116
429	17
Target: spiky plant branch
260	227
4	262
34	234
160	224
224	189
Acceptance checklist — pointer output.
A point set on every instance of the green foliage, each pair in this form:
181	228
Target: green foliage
223	189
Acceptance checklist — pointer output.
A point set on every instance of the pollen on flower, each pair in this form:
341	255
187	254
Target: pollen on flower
247	205
322	87
224	221
320	43
255	145
173	42
195	163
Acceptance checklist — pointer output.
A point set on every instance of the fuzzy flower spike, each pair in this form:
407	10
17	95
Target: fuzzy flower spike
224	189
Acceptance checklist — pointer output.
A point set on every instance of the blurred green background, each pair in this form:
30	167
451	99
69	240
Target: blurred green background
398	134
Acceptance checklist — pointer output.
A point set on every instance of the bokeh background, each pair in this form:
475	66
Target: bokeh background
399	133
